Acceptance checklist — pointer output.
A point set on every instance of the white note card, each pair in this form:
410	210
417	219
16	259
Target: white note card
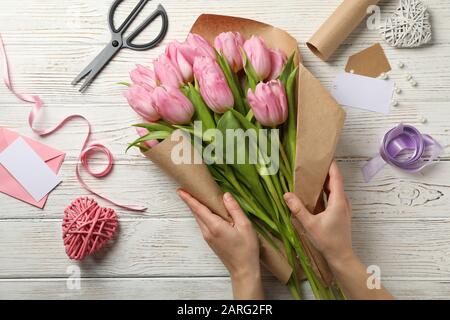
362	92
23	163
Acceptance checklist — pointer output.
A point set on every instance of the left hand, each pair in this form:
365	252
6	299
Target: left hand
235	243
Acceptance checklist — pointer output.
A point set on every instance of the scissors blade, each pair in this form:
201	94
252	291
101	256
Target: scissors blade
96	66
83	73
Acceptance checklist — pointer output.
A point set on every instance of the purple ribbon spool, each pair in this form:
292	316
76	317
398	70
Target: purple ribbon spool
404	147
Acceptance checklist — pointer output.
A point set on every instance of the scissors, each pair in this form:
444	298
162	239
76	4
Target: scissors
119	41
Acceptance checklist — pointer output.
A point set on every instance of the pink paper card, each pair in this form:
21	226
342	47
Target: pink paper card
25	165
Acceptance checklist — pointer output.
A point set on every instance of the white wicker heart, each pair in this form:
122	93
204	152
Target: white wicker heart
409	26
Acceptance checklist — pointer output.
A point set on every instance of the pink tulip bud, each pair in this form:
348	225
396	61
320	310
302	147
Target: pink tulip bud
144	77
230	45
172	105
182	56
142	132
201	46
167	73
269	103
278	60
259	56
213	85
141	102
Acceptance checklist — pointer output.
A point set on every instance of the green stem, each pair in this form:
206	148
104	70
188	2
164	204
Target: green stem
288	167
291	234
293	287
284	183
292	119
260	214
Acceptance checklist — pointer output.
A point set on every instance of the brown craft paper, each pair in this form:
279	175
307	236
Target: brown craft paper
338	27
370	62
320	121
194	178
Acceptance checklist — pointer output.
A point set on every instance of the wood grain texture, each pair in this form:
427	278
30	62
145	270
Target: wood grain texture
216	288
401	222
163	247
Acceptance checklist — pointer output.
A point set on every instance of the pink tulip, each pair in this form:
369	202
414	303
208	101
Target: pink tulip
167	73
141	102
172	105
278	60
144	77
142	132
200	45
213	85
230	45
182	56
269	103
259	55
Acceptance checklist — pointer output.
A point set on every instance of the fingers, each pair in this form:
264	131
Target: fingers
235	211
203	228
209	220
335	184
298	209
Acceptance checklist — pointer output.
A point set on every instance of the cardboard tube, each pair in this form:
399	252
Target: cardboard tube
338	27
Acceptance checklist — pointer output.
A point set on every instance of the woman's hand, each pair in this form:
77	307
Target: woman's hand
235	243
329	231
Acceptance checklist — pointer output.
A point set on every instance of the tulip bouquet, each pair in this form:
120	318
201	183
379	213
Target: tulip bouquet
244	87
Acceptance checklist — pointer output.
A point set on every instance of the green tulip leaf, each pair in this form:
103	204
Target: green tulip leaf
243	148
287	70
155	127
252	77
157	135
201	109
291	136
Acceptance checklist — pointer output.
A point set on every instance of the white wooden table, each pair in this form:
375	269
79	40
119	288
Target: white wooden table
401	222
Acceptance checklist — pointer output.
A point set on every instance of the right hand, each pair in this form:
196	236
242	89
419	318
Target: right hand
329	231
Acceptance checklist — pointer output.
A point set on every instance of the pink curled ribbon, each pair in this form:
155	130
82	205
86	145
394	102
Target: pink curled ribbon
404	147
86	149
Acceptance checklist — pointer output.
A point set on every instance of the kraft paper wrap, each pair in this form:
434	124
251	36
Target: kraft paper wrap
338	27
320	121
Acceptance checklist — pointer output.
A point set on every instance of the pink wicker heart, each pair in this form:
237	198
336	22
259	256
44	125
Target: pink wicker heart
87	228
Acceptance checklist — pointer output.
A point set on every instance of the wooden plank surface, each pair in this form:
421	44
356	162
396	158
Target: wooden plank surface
401	222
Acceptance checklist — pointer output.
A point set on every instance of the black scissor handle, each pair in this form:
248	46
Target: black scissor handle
129	20
127	43
159	12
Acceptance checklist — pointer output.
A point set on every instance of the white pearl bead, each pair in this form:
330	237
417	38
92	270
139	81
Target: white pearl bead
408	77
394	103
401	65
423	120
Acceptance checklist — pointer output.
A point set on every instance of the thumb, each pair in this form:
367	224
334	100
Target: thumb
298	210
234	209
